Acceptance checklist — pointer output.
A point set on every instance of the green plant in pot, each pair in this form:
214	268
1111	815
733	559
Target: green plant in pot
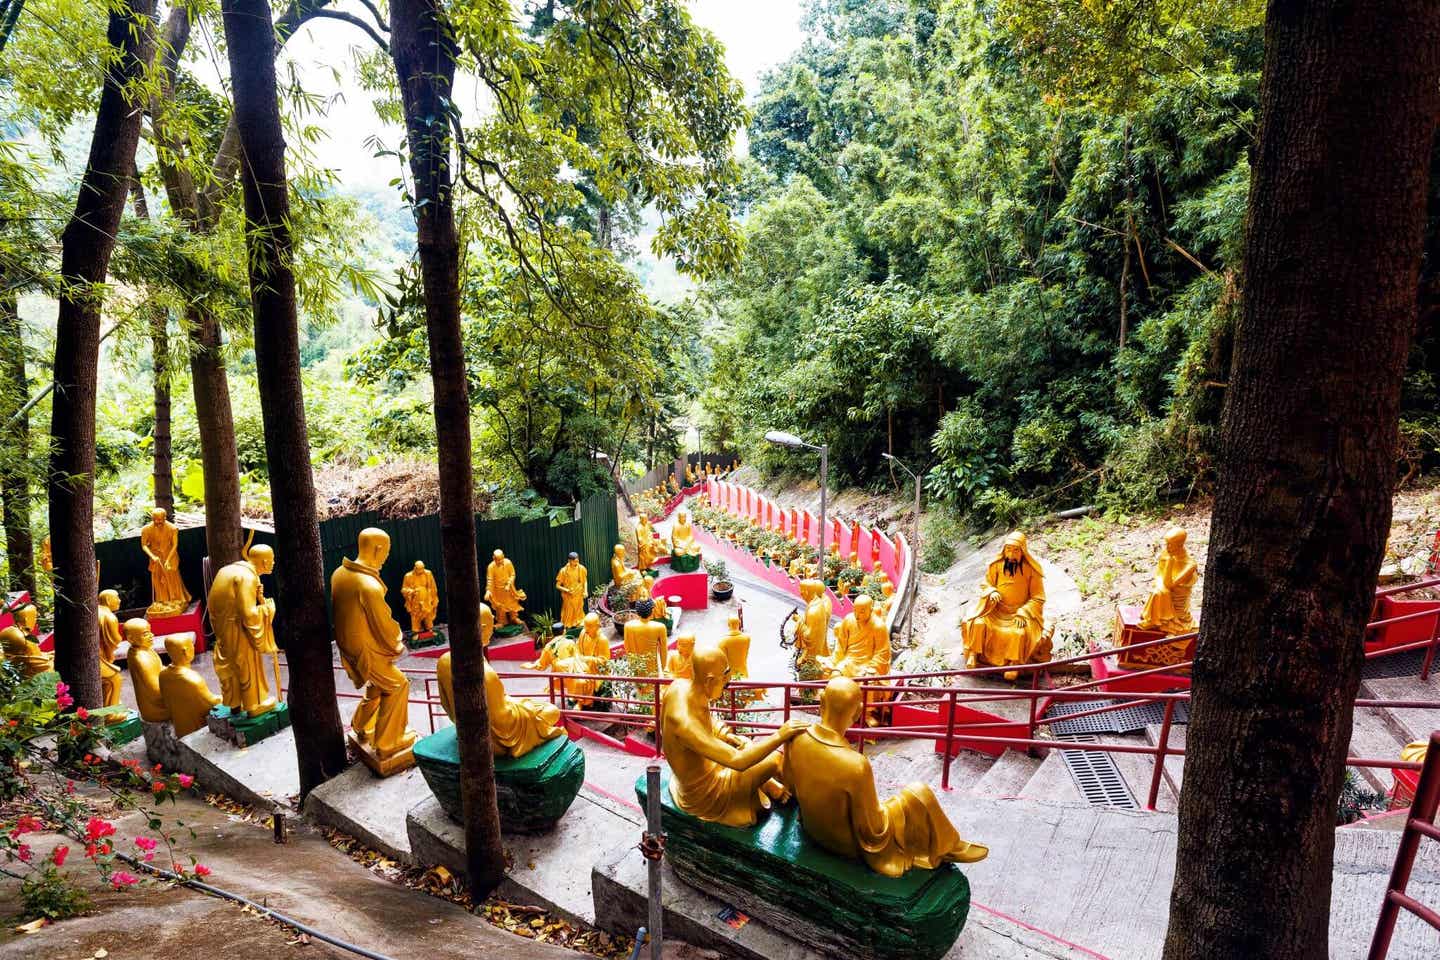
720	586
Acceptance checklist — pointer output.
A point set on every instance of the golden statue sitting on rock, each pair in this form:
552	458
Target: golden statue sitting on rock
717	775
839	809
682	537
1006	623
160	539
187	697
518	726
422	599
1168	607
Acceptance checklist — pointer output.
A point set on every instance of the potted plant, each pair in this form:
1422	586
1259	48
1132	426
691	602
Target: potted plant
720	587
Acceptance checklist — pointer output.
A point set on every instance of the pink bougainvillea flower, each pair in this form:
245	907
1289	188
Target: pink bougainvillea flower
96	828
24	853
145	843
120	879
26	824
82	714
158	787
58	855
185	781
63	700
201	870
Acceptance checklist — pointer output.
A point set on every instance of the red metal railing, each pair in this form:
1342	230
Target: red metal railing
1420	824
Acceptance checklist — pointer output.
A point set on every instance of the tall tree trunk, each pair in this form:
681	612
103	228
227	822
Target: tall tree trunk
424	54
1349	105
15	468
86	246
163	473
208	379
304	629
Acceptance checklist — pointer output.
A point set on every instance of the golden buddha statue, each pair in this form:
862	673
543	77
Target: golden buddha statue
717	775
812	626
682	537
1006	623
422	599
500	591
678	662
110	640
862	644
839	809
244	622
627	581
689	475
369	642
517	726
144	664
562	655
187	697
47	556
646	637
573	582
882	610
1415	751
648	546
736	647
591	643
443	672
160	539
1168	607
20	647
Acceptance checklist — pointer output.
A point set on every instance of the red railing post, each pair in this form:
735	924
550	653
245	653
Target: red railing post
1421	822
787	702
1161	749
1430	651
949	742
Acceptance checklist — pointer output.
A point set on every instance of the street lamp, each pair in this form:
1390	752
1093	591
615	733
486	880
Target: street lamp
914	548
781	438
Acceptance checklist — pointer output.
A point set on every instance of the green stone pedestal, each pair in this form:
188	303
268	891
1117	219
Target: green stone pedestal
510	630
837	906
532	791
246	731
120	731
686	564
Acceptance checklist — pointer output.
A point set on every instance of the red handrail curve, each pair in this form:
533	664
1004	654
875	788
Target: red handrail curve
1420	823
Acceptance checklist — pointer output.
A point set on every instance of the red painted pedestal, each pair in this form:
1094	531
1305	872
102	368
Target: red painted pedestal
191	621
1128	631
1406	631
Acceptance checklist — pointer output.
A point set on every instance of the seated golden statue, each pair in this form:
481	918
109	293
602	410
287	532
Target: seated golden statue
812	624
627	581
1006	623
422	598
1168	607
442	666
715	774
736	647
244	622
646	637
689	475
840	810
591	644
187	698
160	539
20	647
661	610
1415	751
648	546
862	644
500	592
110	640
562	655
369	641
573	582
678	663
518	726
144	664
682	537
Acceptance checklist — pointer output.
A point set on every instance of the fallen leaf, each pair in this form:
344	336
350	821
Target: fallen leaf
32	926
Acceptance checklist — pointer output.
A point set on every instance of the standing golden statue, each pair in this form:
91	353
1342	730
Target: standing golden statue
369	642
144	665
500	591
20	647
717	775
647	545
187	697
443	674
518	726
573	582
110	640
244	622
645	637
840	810
678	663
422	599
682	537
736	647
1168	607
1006	624
160	539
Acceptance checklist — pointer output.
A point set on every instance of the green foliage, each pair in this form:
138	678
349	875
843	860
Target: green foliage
49	894
940	530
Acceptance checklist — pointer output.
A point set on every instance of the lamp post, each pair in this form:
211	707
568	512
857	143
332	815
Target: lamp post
914	548
783	439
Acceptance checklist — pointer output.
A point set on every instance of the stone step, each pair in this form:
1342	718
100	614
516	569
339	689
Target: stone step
1007	776
1051	781
1375	735
1408	723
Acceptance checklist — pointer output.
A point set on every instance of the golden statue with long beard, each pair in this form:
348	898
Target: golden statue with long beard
1006	624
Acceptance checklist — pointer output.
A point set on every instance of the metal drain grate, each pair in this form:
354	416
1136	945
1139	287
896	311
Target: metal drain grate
1125	720
1404	664
1096	776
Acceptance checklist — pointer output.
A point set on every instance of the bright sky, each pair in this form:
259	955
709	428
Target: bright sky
757	34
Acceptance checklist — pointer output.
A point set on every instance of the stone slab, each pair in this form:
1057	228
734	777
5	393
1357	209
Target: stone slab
262	775
369	809
550	870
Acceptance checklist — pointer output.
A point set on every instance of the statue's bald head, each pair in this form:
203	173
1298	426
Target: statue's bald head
864	606
181	649
840	704
711	670
1175	539
262	557
110	599
374	547
137	632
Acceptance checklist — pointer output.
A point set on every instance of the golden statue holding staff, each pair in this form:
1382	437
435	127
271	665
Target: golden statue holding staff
500	592
369	642
110	640
1006	624
573	582
1168	607
422	598
244	622
840	810
160	539
186	695
717	775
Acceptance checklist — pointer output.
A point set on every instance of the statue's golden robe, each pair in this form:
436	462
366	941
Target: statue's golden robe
243	622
